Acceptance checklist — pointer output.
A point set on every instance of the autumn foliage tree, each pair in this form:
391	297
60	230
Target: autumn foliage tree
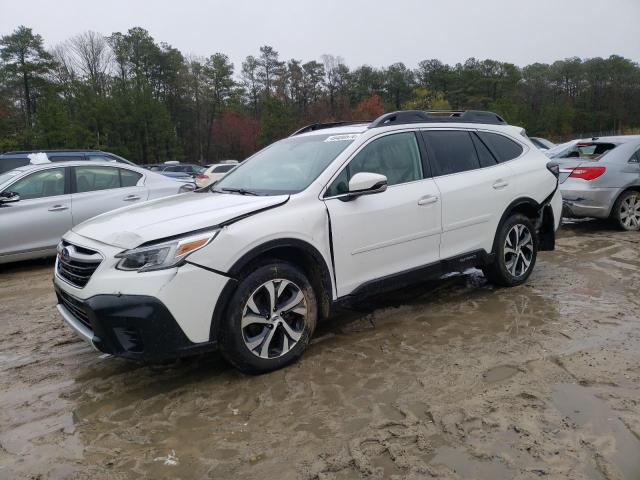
369	108
236	135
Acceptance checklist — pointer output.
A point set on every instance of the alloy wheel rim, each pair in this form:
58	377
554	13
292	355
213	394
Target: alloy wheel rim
630	212
274	318
518	250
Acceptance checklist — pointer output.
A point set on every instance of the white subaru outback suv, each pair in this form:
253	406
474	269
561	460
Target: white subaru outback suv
331	214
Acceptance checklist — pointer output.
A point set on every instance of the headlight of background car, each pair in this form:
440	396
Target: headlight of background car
165	254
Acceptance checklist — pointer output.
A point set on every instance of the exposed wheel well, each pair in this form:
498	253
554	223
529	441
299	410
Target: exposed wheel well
543	220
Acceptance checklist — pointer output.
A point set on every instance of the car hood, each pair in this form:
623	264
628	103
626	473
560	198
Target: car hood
132	226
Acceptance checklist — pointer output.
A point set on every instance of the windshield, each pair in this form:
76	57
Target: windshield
286	167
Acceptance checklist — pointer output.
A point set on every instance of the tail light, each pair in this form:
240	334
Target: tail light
587	173
202	176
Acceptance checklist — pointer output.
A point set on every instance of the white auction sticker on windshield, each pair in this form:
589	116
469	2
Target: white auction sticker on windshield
347	137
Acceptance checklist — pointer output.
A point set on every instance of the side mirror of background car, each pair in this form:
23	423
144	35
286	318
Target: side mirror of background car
366	183
9	197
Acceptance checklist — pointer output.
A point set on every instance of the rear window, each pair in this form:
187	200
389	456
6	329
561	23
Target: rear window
586	150
9	163
503	148
223	168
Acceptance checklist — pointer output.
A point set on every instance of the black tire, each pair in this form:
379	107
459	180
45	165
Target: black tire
501	270
630	222
234	340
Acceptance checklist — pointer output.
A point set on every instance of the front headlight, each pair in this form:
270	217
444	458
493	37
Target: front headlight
163	255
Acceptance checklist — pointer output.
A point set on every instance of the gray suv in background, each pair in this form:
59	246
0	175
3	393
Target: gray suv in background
600	177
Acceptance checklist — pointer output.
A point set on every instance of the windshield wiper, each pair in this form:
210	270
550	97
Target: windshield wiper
241	191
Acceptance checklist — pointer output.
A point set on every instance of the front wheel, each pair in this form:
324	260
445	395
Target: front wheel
270	319
516	250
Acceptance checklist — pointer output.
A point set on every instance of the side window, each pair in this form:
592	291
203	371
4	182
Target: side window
395	156
451	151
503	148
7	164
65	158
46	183
484	155
90	179
100	158
129	178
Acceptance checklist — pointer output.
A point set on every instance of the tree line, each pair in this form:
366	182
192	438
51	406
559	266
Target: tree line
145	100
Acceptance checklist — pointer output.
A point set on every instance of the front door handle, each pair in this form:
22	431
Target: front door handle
131	198
500	184
428	200
58	208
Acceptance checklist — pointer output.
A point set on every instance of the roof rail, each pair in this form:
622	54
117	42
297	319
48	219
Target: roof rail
319	126
437	116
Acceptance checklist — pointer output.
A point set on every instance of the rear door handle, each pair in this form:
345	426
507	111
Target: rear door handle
500	184
58	208
131	198
428	199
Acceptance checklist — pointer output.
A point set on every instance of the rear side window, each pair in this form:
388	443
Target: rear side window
129	178
90	179
10	163
451	151
503	148
484	155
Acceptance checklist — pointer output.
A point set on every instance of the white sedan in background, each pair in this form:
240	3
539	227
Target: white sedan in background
39	203
214	172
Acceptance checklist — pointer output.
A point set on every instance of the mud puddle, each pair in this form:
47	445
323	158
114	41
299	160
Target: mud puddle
601	425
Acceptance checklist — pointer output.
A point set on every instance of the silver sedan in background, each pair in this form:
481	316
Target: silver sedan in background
39	203
600	177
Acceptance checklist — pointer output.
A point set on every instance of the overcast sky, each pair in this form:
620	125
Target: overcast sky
377	33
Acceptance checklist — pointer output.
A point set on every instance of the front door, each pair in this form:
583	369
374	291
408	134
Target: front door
42	215
382	234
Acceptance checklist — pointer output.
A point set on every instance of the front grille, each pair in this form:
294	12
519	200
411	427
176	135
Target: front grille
77	264
74	306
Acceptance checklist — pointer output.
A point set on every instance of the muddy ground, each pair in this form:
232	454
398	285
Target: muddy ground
452	379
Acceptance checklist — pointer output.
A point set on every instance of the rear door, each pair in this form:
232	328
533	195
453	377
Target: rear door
42	215
474	187
99	189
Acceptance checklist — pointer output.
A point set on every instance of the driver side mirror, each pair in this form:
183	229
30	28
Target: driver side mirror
366	183
9	197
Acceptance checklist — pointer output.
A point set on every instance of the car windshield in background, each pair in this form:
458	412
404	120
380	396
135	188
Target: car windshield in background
286	167
585	150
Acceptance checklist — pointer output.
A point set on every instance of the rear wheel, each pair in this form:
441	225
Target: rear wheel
270	319
516	250
626	211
